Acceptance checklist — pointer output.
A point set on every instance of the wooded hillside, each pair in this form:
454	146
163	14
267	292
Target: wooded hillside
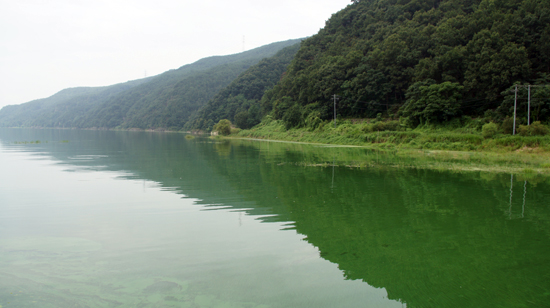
240	101
424	60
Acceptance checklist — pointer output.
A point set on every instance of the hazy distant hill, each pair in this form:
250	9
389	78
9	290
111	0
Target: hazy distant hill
63	108
163	101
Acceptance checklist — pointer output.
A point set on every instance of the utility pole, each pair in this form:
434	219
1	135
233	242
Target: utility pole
528	103
511	191
335	97
515	103
528	86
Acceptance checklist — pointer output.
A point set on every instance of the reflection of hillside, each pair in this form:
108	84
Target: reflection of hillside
430	239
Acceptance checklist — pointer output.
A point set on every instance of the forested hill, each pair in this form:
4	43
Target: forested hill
163	101
240	101
423	60
65	107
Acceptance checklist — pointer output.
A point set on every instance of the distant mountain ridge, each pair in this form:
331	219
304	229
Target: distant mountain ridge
163	101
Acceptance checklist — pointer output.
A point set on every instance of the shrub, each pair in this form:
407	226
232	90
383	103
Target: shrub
535	129
538	129
381	126
267	119
475	124
517	142
489	130
523	130
453	137
491	115
223	127
392	125
378	126
507	126
313	121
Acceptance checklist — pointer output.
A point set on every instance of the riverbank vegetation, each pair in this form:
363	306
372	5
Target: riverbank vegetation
459	145
464	134
523	165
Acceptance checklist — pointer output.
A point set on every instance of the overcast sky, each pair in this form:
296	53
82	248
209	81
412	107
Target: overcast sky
47	46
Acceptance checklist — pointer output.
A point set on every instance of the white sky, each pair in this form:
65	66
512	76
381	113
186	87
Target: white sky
47	46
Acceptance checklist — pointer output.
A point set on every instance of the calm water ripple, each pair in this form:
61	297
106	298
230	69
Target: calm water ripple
136	219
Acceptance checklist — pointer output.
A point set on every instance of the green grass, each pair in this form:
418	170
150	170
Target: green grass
461	148
435	138
28	142
37	142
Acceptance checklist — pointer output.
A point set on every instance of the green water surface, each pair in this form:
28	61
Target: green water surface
140	219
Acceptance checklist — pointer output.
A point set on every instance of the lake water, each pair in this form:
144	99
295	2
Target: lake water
139	219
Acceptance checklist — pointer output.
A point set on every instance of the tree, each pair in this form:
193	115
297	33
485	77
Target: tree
494	64
292	117
223	127
431	102
241	119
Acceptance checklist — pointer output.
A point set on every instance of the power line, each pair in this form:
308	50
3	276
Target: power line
462	103
335	97
386	104
532	85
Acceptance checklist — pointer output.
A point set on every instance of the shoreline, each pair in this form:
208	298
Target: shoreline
526	161
466	161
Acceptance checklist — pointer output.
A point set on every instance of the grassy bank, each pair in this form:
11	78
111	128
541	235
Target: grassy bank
465	138
444	148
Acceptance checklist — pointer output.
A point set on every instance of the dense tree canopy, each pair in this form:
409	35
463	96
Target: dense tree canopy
374	53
